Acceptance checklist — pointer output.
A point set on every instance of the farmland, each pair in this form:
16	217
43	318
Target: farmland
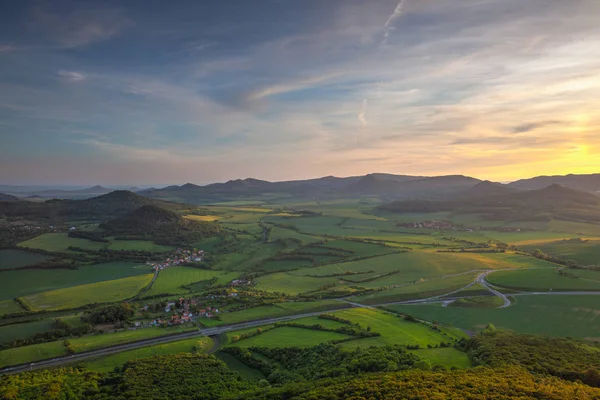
542	280
556	315
60	243
17	283
172	280
99	292
108	363
13	258
292	261
288	336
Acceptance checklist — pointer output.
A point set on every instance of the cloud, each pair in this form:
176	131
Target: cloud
76	25
362	114
388	26
290	86
71	76
6	48
532	126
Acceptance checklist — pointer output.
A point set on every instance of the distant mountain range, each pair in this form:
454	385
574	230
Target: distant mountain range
384	186
387	187
496	202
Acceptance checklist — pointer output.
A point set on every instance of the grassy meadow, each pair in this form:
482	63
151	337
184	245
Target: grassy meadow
99	292
541	280
15	258
555	315
18	283
172	280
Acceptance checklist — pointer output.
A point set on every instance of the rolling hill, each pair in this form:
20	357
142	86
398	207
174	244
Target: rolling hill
160	225
552	202
587	183
110	205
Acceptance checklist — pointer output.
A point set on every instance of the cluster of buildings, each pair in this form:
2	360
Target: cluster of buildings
180	257
183	311
240	282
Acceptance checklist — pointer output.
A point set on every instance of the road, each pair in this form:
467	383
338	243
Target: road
58	361
215	331
483	282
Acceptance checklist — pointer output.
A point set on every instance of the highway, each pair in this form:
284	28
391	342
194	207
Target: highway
65	360
215	331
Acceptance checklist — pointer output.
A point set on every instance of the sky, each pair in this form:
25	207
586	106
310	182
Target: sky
146	91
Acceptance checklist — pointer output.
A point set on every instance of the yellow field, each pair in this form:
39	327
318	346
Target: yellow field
203	218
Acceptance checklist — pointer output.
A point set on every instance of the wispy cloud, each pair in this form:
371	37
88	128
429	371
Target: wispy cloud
362	115
388	27
290	86
72	76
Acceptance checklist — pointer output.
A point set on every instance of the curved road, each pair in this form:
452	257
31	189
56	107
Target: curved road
215	331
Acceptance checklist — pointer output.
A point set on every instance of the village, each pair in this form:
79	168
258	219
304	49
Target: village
181	257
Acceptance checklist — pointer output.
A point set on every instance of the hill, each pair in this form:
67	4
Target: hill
495	204
330	187
8	197
587	183
160	225
110	205
486	189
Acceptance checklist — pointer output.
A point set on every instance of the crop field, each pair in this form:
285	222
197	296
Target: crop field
584	253
286	336
393	329
283	233
408	267
555	315
172	280
60	242
108	363
577	228
418	290
285	264
92	342
12	258
22	355
10	333
99	292
10	307
203	218
541	279
291	284
281	310
18	283
446	356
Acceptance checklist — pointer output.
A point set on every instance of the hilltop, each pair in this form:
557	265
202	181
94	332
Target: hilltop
110	205
160	225
587	183
8	197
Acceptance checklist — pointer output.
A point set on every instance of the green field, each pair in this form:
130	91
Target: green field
172	280
60	242
393	329
286	336
22	355
541	279
447	357
10	307
108	363
280	310
418	290
9	333
584	253
98	341
554	315
12	258
17	283
77	296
